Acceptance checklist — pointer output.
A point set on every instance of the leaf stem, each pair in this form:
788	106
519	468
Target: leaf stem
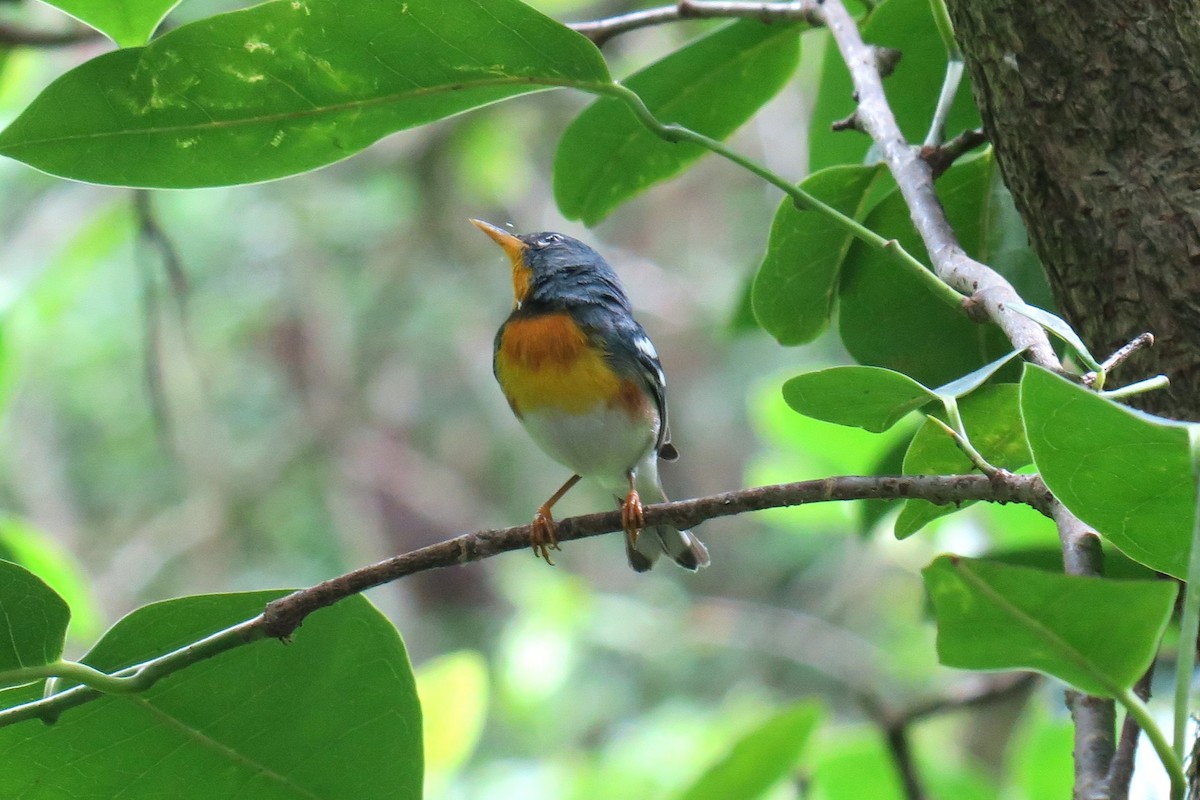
1172	761
802	199
1149	384
73	671
954	73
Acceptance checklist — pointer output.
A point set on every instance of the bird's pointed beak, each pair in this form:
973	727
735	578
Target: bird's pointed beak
511	244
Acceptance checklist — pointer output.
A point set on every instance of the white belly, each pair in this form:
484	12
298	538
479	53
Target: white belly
602	444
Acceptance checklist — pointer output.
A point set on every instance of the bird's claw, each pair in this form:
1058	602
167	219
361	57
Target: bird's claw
542	536
633	518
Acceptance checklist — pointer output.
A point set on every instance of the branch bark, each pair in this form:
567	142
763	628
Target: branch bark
282	617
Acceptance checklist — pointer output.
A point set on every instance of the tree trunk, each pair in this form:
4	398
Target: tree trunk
1094	112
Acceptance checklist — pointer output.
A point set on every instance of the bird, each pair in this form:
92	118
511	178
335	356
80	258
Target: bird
585	381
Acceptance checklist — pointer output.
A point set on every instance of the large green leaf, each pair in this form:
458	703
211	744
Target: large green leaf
288	86
1098	635
760	759
332	715
871	398
129	23
33	619
992	418
713	85
1123	472
889	317
794	289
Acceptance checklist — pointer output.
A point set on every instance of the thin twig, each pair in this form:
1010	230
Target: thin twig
895	724
1113	361
942	158
282	617
600	31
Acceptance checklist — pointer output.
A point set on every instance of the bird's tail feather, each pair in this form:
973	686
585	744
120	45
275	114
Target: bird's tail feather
682	546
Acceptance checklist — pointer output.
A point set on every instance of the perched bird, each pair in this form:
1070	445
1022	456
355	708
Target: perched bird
583	378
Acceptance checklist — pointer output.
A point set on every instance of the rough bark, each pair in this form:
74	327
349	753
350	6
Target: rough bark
1093	109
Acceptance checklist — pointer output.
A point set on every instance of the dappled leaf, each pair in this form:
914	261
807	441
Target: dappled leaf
871	398
33	619
795	285
1125	473
287	86
1096	634
332	715
129	23
712	86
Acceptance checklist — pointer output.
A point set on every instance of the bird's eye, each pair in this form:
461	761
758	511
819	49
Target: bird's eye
550	238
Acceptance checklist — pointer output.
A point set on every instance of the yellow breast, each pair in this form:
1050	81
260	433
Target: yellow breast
546	362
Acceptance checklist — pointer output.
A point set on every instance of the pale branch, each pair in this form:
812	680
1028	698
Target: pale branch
282	617
991	293
600	31
915	181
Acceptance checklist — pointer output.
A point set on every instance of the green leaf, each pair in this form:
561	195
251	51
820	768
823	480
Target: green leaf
1097	635
1059	327
889	317
794	289
972	381
761	759
854	765
1125	473
21	543
287	86
129	23
332	715
454	697
992	419
871	398
712	86
33	619
913	87
1039	757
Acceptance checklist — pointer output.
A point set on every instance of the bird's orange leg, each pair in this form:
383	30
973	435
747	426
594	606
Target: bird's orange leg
542	535
632	517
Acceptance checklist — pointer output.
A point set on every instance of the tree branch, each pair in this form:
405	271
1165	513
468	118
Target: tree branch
13	36
895	724
282	617
600	31
914	178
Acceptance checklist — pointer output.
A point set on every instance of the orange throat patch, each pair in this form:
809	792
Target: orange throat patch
546	362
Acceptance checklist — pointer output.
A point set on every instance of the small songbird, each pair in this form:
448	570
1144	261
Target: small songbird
583	378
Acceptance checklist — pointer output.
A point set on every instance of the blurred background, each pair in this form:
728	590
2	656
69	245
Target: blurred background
265	386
